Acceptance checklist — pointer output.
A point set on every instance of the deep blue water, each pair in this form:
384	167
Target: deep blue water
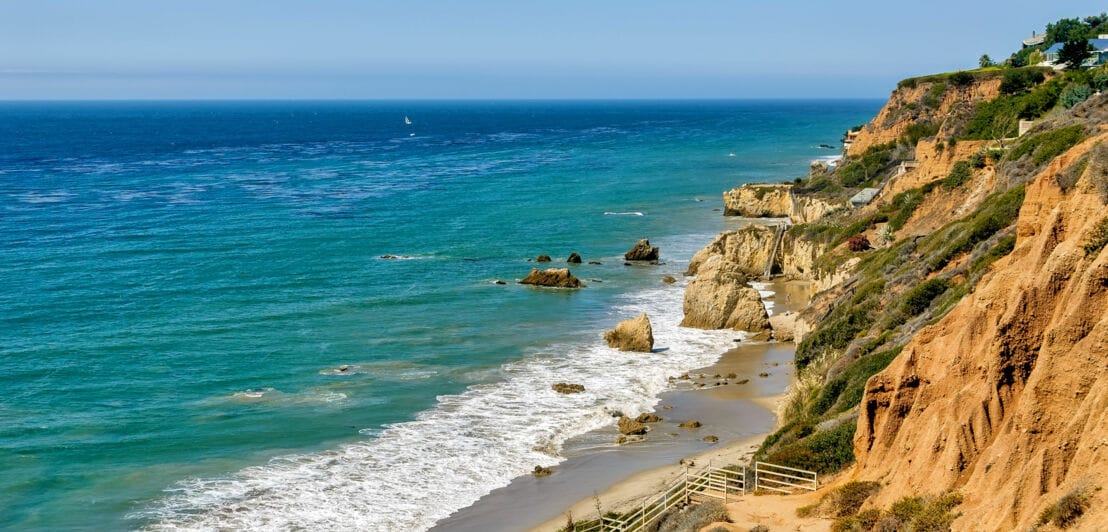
180	282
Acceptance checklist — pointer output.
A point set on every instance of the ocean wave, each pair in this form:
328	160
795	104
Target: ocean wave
625	213
472	442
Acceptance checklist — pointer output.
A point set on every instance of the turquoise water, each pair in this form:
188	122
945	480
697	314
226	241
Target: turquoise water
181	282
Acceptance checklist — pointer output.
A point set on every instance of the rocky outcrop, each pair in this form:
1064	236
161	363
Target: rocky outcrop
718	298
748	250
542	258
690	424
574	258
552	277
567	388
642	250
648	418
784	326
776	201
632	335
1006	397
628	427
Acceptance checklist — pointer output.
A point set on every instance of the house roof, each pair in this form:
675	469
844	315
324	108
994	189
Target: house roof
1100	45
1034	40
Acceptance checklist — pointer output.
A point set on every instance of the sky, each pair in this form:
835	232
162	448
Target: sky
500	49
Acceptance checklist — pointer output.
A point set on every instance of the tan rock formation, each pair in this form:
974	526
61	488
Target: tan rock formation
642	250
553	277
632	335
629	427
1006	397
783	326
718	298
776	201
749	249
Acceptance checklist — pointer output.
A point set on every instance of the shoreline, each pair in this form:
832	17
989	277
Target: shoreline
740	415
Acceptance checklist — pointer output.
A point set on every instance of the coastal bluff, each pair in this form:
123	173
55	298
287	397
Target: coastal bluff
777	201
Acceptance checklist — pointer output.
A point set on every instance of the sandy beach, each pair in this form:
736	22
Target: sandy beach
740	414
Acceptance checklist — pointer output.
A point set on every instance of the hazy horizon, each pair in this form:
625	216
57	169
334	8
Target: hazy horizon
498	50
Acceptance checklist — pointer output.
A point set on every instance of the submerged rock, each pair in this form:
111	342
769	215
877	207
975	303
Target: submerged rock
541	471
690	424
554	277
574	258
711	439
632	335
628	426
568	388
543	258
621	440
669	279
642	250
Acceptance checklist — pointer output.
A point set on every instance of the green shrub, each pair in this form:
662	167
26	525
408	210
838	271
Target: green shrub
918	130
691	519
844	501
1067	510
997	212
1048	145
903	206
865	167
999	117
1074	94
1100	80
1001	249
834	333
961	79
934	96
959	174
1018	80
919	297
824	452
918	514
845	391
1097	238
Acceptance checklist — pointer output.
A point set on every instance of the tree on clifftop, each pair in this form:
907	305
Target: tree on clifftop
1074	52
985	61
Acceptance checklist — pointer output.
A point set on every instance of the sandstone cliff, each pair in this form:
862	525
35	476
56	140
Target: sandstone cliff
1006	397
777	201
919	101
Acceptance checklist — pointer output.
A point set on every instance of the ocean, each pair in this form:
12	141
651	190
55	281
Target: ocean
198	329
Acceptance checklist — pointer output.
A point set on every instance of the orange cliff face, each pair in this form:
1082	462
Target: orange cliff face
913	105
1006	398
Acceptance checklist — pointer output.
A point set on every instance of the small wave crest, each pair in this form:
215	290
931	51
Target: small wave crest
625	213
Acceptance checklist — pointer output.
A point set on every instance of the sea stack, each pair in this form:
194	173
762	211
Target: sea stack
632	335
642	250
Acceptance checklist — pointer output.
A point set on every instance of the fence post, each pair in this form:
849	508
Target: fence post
686	484
642	520
757	481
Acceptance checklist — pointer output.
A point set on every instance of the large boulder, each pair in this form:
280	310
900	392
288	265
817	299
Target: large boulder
719	298
628	426
555	277
574	258
642	251
632	335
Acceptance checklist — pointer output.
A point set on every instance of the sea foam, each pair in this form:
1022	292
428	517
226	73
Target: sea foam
416	473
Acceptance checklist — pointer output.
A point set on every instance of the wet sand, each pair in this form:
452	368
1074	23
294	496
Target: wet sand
740	415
